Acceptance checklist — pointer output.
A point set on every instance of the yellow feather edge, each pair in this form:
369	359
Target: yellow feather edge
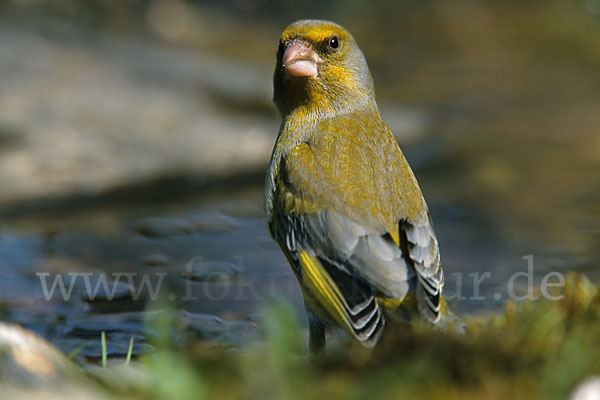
318	282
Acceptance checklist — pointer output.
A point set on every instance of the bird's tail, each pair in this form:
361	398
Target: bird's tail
406	311
449	322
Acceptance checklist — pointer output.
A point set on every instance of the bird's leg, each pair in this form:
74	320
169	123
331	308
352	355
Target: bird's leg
316	331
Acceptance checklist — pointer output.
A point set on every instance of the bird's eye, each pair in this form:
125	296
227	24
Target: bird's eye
333	42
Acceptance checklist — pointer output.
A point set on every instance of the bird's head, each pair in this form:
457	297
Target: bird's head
320	69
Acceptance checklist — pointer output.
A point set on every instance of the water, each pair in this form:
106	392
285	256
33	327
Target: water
213	262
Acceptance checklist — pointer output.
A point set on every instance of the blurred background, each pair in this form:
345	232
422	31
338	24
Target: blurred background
134	137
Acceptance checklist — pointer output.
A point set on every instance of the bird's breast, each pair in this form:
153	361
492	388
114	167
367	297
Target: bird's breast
354	166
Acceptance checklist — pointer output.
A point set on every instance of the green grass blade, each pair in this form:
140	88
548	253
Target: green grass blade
103	341
129	351
76	350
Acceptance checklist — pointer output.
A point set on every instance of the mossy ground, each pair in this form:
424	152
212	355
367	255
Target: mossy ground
540	349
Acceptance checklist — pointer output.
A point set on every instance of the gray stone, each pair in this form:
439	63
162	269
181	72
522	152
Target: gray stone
161	227
212	271
156	260
84	117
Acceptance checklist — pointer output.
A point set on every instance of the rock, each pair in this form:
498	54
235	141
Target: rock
156	260
588	390
199	223
83	115
161	227
28	359
217	330
101	287
212	271
212	223
32	368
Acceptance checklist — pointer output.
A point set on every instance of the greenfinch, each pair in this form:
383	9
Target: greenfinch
340	198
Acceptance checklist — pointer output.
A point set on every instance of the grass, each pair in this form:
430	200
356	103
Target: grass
104	352
532	350
129	351
76	351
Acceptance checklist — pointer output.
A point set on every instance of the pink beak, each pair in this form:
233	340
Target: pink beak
300	60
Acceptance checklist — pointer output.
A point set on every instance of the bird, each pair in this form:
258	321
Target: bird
340	197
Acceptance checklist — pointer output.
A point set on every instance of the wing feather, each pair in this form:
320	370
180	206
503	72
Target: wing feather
422	249
353	306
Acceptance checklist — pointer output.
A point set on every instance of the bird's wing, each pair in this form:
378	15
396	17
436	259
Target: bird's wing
389	264
345	268
420	244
